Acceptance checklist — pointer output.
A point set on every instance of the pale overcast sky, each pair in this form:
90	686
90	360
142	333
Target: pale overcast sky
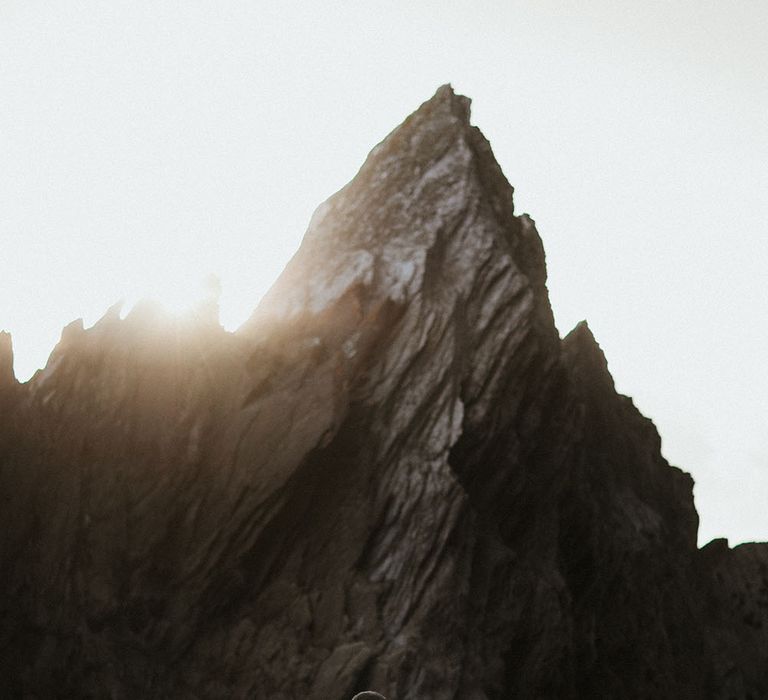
144	145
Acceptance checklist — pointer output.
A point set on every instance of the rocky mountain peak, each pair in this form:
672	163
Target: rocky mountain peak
586	359
384	231
395	477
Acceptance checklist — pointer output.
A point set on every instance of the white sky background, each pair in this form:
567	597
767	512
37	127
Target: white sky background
144	145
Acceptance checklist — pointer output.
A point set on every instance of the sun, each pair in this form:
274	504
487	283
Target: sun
186	300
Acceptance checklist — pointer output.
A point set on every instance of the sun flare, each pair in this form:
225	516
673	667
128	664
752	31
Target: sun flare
183	300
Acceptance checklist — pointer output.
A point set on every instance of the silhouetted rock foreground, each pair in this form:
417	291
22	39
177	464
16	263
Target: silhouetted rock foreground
395	477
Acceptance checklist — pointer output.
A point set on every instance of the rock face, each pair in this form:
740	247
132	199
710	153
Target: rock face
395	476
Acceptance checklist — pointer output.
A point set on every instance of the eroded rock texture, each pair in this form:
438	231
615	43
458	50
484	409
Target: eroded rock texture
395	476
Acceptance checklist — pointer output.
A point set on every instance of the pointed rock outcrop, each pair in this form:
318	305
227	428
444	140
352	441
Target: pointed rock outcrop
7	377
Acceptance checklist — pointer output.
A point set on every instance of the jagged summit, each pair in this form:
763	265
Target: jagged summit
111	316
394	477
445	97
433	183
6	359
585	356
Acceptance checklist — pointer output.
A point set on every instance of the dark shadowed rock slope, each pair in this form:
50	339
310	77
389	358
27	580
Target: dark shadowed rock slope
395	476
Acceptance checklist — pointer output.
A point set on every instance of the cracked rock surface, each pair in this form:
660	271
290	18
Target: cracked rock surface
395	476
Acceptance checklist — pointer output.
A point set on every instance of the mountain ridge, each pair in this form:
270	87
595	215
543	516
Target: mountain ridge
395	475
